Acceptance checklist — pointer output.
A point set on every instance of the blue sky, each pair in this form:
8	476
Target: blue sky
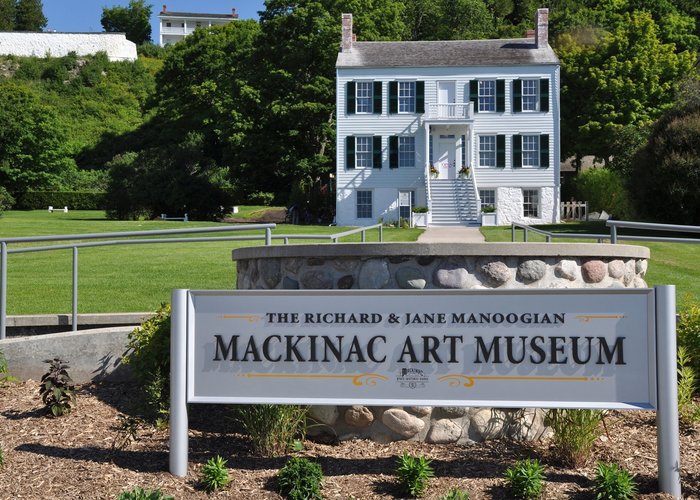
84	15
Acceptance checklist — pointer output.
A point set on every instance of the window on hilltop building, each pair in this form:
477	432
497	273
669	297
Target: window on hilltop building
407	97
531	150
168	25
363	152
530	95
363	97
488	198
364	204
487	95
531	203
487	150
407	151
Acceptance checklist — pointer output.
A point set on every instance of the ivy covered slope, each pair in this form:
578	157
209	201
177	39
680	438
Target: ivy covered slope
57	111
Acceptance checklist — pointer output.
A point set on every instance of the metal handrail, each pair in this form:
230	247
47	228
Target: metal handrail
550	235
648	226
268	238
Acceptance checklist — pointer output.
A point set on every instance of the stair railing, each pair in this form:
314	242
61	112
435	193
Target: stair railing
475	187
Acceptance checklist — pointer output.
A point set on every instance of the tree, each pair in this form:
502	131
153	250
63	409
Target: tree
134	20
29	15
7	15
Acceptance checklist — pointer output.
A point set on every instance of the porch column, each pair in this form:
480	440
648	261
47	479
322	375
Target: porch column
426	165
470	152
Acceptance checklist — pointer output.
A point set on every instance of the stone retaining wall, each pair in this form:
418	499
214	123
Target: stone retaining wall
27	44
438	266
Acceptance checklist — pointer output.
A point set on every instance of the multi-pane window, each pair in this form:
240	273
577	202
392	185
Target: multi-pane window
407	151
487	95
531	150
363	152
488	198
531	203
407	97
363	97
364	204
530	95
487	150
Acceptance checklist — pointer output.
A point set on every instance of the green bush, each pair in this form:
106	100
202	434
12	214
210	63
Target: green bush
272	428
688	334
215	474
688	410
525	479
261	198
74	200
300	479
414	474
6	200
612	482
57	389
604	189
141	494
148	354
575	432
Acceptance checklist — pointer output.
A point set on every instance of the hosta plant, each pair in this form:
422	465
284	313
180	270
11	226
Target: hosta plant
57	389
414	474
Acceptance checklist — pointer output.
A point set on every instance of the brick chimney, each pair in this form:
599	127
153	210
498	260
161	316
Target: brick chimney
348	37
542	28
165	9
233	13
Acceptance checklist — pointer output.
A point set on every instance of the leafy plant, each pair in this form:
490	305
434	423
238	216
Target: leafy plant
215	474
456	494
149	357
141	494
488	209
688	410
300	479
413	474
526	478
4	377
57	389
273	429
2	456
420	210
575	431
688	332
612	482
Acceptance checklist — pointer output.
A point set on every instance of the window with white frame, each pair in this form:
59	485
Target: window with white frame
407	97
530	95
363	152
488	198
363	97
407	151
531	203
487	95
487	150
531	150
364	204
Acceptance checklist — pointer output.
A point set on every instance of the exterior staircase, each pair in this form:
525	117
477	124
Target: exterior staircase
453	202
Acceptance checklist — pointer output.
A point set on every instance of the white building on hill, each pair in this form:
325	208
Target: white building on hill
174	26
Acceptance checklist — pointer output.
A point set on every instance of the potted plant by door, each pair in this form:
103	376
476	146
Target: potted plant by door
433	172
419	217
488	215
464	171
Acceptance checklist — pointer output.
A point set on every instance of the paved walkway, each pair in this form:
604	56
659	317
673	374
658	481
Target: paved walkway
451	234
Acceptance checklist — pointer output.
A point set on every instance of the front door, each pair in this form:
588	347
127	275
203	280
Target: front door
446	157
446	99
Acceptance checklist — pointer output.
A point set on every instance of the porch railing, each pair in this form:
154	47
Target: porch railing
462	111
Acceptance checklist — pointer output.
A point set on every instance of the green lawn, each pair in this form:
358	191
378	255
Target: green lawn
131	277
670	264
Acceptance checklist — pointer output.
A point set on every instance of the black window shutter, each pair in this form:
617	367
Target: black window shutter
474	94
350	98
393	97
377	98
544	151
544	95
517	151
350	152
393	151
377	151
420	97
500	95
501	151
517	96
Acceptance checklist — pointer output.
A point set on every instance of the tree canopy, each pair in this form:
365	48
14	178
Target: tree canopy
133	20
29	15
7	15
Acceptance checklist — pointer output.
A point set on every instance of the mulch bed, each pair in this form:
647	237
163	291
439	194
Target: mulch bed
74	457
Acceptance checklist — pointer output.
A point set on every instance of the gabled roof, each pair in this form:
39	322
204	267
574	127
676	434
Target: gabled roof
196	14
519	51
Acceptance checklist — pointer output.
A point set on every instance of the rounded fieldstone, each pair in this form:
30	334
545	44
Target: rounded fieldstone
452	275
487	423
421	411
270	272
290	284
402	423
496	273
315	261
316	280
344	265
373	274
359	416
566	269
527	424
327	415
425	260
530	271
616	284
616	269
594	271
410	277
639	283
444	432
346	282
641	267
454	411
293	265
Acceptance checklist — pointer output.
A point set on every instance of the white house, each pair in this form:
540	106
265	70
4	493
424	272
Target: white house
174	26
405	109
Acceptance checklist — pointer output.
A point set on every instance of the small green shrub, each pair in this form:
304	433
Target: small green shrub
420	210
273	429
604	189
688	410
4	370
215	474
57	389
575	432
456	494
261	198
74	200
688	334
141	494
525	479
414	474
148	354
6	200
612	482
300	479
